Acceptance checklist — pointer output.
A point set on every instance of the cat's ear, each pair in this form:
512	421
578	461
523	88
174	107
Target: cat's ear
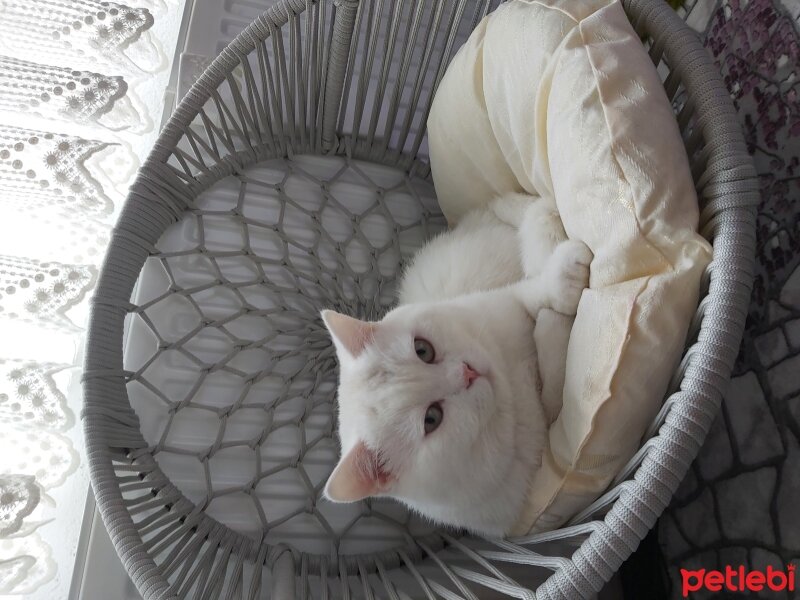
349	335
358	475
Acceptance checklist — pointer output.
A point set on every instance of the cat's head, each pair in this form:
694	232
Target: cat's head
420	405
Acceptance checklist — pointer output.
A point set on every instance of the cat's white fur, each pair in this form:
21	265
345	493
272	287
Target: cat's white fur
474	293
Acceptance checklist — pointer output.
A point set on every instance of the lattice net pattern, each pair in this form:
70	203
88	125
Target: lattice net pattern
232	371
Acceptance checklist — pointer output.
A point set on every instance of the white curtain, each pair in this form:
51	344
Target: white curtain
82	85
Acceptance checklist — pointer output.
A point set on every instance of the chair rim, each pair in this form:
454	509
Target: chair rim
109	429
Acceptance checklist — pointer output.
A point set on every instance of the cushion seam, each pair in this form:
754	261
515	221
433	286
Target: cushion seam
579	451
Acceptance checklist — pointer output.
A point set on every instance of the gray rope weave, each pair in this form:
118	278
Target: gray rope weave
294	177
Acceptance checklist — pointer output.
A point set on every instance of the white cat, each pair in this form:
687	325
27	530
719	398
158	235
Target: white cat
439	402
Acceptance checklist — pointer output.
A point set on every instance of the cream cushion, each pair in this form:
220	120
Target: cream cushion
558	98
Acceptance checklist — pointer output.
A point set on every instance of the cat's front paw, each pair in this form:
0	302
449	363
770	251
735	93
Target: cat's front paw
568	271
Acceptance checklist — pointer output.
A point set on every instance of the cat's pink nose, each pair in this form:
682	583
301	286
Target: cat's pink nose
470	375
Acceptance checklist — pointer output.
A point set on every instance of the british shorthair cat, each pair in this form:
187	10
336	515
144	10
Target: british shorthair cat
440	402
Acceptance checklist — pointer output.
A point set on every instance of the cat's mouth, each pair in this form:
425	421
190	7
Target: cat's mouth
470	375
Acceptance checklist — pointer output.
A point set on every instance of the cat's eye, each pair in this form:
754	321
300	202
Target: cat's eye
433	417
424	350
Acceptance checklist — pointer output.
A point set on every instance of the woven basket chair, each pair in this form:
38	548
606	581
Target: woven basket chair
293	177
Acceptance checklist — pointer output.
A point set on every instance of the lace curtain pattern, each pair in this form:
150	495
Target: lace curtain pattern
81	94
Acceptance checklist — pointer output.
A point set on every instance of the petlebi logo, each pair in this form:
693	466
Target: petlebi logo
738	579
